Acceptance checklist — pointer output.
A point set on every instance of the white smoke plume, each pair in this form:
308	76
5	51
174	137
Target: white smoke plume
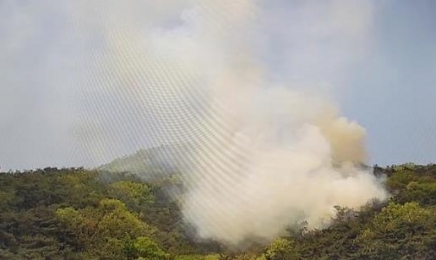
268	151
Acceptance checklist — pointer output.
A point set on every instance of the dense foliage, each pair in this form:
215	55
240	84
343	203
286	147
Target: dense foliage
81	214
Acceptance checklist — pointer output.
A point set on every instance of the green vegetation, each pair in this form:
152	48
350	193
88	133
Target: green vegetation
82	214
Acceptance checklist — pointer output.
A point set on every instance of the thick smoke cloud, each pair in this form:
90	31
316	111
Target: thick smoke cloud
267	154
270	146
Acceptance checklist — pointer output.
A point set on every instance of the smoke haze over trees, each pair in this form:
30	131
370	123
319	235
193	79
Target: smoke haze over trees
80	214
217	129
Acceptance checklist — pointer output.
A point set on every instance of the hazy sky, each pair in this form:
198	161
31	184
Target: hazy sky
71	95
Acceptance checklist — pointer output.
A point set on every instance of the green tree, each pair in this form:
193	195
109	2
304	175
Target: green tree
148	249
134	194
397	231
281	248
104	231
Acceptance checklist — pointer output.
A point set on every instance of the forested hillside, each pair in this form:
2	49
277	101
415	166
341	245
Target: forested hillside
81	214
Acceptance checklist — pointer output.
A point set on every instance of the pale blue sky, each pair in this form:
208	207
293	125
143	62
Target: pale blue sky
382	69
393	93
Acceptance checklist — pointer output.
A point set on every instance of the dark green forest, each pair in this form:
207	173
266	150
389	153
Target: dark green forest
76	213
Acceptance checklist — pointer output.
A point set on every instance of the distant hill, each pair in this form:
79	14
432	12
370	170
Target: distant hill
153	163
162	161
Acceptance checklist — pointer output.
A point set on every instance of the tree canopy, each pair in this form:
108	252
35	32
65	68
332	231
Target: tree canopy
81	214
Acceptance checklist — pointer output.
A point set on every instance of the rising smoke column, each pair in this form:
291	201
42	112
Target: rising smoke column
267	154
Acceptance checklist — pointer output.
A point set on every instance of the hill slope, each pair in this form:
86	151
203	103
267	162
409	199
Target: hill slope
153	163
71	214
